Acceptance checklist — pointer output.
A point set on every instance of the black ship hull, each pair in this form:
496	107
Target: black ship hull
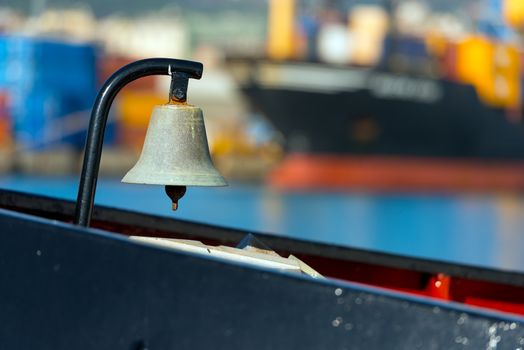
323	109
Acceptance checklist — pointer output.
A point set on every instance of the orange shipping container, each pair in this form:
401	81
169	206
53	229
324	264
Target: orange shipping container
134	110
135	107
5	121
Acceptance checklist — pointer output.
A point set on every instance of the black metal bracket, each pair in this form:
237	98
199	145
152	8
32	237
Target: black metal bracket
180	72
178	88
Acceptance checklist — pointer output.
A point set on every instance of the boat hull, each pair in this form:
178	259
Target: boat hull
65	287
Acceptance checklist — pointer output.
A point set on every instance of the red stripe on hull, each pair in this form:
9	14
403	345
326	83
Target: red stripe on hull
310	172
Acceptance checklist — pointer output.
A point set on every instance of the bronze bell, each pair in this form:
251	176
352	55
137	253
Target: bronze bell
175	152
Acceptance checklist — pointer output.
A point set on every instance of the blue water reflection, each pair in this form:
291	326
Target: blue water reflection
474	229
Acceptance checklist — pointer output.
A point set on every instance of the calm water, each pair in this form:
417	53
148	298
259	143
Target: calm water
483	230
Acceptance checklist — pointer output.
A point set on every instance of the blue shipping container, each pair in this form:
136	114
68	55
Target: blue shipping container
52	85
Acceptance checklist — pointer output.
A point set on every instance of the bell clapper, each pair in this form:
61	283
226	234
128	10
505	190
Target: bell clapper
175	193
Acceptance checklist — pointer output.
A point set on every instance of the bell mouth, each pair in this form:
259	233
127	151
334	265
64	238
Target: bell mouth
166	179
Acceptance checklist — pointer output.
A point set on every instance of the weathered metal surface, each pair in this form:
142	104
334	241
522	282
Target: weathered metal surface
175	150
66	287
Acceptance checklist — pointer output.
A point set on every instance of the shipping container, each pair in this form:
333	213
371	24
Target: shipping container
51	86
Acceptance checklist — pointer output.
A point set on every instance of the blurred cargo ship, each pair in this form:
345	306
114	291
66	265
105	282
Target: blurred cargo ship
402	113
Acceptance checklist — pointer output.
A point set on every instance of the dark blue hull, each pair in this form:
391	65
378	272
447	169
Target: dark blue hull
322	109
66	287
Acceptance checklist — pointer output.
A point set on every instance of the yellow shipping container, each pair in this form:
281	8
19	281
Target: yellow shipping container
281	29
493	68
367	28
514	12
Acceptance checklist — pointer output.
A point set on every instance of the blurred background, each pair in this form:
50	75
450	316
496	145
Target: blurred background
392	125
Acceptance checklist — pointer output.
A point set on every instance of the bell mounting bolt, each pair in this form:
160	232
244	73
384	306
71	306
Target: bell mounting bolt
178	88
180	72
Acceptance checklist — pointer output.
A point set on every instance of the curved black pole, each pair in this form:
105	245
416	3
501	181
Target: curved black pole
180	72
